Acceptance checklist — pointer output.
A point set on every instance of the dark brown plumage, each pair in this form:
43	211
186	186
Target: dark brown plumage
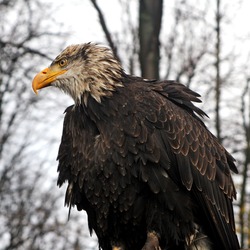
138	158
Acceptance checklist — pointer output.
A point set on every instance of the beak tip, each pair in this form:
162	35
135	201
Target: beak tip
34	89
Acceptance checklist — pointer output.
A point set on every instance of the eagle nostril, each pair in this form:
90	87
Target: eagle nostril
45	71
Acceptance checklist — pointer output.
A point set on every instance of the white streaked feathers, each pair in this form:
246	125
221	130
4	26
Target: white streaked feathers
91	71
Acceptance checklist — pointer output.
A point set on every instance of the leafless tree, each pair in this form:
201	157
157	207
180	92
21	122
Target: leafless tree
31	213
244	202
150	16
218	70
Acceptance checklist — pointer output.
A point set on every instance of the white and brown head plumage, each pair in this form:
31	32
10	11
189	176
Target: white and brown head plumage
82	70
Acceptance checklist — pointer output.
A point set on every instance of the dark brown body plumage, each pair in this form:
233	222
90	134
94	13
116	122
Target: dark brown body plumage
138	158
141	161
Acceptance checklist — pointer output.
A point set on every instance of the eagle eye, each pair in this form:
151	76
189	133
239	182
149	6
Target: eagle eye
63	62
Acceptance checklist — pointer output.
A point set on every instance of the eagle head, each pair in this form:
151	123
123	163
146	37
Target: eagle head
81	71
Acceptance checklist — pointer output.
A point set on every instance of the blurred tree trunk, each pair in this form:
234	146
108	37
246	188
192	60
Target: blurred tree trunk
218	72
150	15
244	224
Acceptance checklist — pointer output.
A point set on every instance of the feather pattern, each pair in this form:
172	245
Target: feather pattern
130	146
138	158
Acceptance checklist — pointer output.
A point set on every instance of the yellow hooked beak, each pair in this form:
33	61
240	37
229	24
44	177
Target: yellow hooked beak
46	77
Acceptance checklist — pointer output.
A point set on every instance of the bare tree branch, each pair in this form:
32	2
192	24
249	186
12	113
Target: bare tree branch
29	212
105	28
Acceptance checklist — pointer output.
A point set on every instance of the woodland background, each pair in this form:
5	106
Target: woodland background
194	42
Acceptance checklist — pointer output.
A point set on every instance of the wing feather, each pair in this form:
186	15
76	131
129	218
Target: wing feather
152	132
203	165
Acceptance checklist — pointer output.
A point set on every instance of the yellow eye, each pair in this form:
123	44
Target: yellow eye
63	62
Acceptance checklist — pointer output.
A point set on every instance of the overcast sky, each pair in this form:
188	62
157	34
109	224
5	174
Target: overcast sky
80	17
